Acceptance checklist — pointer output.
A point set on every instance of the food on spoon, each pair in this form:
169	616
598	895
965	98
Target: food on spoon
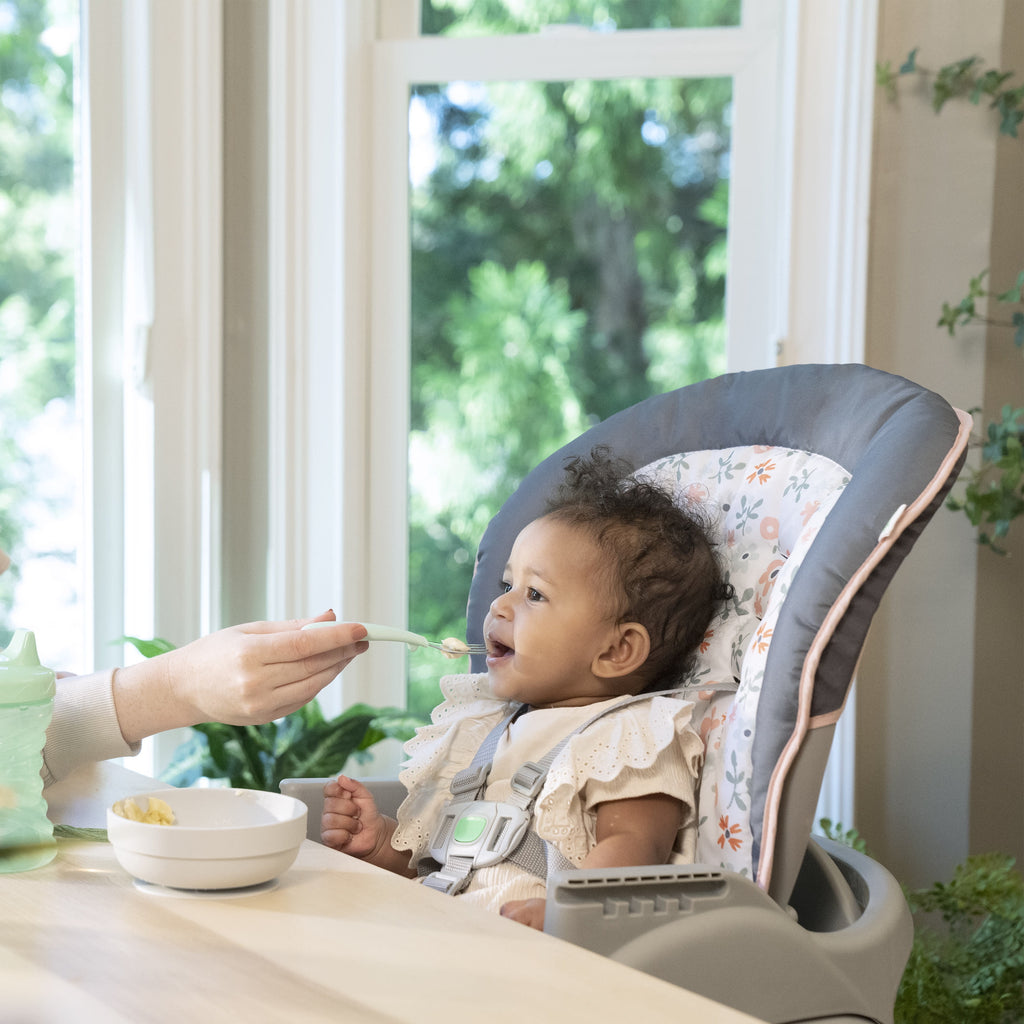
157	812
454	647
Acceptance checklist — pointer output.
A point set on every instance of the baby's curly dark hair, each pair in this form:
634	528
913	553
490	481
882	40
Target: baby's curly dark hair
663	568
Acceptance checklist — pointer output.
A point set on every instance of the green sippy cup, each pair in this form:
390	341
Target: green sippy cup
26	706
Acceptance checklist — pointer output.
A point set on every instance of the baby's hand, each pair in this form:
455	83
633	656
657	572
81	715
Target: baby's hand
529	912
350	821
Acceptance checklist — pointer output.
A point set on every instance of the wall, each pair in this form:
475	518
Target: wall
997	752
933	736
244	579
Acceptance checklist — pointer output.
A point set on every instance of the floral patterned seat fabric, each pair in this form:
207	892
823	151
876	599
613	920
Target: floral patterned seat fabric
771	502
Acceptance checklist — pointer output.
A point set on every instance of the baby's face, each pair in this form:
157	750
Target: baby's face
554	618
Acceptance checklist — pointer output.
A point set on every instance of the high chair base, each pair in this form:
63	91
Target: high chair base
836	955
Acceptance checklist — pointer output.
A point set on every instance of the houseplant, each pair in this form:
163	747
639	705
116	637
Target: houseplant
966	964
967	960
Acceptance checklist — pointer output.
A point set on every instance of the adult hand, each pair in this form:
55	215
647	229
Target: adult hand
254	673
242	675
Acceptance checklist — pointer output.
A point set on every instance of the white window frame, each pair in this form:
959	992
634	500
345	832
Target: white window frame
151	324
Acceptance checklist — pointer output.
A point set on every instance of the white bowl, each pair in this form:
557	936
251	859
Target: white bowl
222	838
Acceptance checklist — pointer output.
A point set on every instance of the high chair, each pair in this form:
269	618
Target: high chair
823	478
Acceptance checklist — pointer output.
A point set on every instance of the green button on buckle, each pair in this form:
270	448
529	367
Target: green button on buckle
469	828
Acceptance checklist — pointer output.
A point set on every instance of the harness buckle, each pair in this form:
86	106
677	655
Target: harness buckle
478	832
470	780
528	781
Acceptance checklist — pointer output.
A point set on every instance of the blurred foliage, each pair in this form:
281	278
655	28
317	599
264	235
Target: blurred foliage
993	491
481	17
848	837
37	256
966	963
568	260
967	960
967	79
302	745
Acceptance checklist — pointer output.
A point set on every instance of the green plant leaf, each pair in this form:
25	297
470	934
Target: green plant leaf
976	288
147	648
953	80
188	761
1014	294
1017	321
848	837
301	745
989	84
1009	105
885	79
909	66
967	960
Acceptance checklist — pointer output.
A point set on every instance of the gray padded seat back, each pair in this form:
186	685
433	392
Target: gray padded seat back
901	447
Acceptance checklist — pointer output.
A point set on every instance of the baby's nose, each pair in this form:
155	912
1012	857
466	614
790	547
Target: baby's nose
501	605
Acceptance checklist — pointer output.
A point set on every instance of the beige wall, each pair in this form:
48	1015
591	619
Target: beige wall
997	777
939	703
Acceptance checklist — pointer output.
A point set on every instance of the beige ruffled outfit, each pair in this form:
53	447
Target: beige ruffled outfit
645	747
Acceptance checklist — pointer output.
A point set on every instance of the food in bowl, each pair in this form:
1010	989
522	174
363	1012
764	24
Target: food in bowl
220	839
156	811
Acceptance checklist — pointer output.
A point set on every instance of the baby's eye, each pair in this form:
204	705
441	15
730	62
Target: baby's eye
532	594
505	586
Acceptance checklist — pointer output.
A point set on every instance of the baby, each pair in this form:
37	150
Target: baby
608	594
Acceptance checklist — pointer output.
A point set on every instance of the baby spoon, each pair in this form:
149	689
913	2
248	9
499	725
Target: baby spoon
451	646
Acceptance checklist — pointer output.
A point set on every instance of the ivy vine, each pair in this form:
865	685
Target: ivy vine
993	493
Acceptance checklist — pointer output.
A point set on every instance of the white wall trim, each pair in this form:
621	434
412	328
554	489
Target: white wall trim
184	371
100	318
288	222
152	175
319	227
831	182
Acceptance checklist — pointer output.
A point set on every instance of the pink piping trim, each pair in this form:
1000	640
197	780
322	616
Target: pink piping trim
821	640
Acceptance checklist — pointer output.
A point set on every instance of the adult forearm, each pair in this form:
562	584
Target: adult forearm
146	702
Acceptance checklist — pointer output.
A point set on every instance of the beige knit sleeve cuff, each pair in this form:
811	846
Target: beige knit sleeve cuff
84	726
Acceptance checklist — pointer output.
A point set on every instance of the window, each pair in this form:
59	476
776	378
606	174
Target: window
40	426
568	259
109	332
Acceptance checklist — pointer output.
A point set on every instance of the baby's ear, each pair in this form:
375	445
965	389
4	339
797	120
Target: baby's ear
626	652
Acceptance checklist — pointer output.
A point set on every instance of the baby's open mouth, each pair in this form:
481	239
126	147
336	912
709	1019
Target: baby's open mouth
496	649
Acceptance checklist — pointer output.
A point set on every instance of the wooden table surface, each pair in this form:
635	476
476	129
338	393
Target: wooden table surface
332	939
